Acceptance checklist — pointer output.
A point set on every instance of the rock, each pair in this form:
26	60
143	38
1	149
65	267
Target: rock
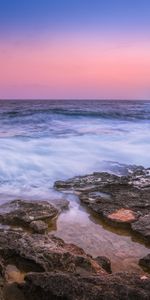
122	215
45	253
12	292
60	204
2	274
62	286
13	274
104	262
2	268
19	212
142	226
145	262
38	226
86	183
120	200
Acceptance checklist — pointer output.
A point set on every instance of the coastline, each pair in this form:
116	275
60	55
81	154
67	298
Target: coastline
28	247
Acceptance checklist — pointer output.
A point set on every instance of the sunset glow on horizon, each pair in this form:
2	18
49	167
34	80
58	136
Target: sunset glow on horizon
56	61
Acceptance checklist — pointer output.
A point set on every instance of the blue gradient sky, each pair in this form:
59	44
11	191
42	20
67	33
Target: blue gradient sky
37	15
39	25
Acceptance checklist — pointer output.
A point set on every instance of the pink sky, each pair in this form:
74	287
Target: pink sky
75	68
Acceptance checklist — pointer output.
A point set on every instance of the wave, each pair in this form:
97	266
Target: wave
110	110
30	166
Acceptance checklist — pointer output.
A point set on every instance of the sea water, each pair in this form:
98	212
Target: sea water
43	141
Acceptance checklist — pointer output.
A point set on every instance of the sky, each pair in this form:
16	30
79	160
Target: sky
83	49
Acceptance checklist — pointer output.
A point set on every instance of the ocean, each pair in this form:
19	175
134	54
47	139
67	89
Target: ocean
43	141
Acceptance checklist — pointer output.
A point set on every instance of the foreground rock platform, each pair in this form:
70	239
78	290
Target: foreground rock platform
22	252
120	200
60	271
58	286
46	253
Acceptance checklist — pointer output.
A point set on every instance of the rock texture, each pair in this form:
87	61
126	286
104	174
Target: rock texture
61	286
142	226
38	226
145	262
24	213
45	253
120	200
22	253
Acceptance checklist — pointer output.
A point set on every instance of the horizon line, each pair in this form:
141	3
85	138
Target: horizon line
72	99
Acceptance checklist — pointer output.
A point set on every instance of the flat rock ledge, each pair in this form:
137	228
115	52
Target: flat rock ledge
30	214
120	200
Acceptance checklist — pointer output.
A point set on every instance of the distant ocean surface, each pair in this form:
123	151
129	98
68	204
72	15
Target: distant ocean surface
43	141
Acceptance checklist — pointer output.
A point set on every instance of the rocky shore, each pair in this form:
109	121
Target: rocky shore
37	265
119	200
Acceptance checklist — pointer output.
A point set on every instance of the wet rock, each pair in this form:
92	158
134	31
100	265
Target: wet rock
2	268
145	262
19	212
104	262
120	200
45	253
13	274
1	293
122	216
61	286
38	226
142	226
12	292
123	169
2	273
86	183
60	204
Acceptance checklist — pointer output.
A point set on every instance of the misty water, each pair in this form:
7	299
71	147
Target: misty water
44	141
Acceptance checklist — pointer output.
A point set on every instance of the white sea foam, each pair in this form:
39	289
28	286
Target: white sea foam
33	164
41	142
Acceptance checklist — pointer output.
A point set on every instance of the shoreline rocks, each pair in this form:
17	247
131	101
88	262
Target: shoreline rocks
56	270
119	200
45	253
33	215
22	253
35	265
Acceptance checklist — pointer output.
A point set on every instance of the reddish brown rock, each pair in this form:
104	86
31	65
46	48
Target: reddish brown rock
123	215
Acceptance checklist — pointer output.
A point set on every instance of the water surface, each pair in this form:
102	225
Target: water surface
44	141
